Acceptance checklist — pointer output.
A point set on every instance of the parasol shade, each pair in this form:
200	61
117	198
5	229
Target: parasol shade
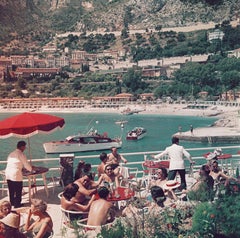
28	124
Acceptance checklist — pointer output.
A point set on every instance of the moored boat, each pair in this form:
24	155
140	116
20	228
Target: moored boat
82	142
136	133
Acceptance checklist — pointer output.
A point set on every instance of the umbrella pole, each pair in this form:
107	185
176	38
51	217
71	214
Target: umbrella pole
29	151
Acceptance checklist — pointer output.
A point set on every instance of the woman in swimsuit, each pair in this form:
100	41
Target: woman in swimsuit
42	227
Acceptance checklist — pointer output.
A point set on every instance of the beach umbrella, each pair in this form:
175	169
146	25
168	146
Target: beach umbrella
27	124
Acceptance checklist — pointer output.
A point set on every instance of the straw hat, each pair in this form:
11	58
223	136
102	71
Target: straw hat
171	184
12	220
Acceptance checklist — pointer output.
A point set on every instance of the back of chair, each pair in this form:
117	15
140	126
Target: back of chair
93	229
68	217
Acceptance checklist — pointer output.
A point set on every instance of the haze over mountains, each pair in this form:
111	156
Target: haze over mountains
24	16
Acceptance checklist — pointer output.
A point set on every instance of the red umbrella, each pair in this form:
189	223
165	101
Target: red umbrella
28	124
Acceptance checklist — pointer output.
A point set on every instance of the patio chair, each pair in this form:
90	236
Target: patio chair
68	218
55	177
92	231
3	181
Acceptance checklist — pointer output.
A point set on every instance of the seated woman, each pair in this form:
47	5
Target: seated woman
109	176
43	225
9	226
161	199
70	202
161	180
217	174
202	190
5	208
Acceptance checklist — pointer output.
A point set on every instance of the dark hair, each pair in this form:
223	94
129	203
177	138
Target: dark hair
21	143
206	169
158	195
80	164
87	168
175	140
89	175
103	156
103	192
164	172
70	191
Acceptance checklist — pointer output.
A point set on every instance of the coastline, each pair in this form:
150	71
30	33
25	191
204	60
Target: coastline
161	109
226	128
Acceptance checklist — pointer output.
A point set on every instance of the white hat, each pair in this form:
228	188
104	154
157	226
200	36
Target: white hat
171	184
12	220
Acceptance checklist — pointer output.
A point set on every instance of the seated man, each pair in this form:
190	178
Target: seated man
100	212
69	201
109	176
86	188
217	174
103	157
115	158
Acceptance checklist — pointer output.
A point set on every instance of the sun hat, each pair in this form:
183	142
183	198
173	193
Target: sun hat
171	184
12	220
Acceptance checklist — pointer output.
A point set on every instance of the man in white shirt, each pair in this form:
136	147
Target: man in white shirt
176	154
15	162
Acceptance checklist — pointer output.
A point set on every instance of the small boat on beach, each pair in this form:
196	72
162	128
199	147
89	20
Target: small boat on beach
92	141
136	133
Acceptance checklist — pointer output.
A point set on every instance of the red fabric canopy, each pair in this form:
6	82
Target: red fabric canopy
27	124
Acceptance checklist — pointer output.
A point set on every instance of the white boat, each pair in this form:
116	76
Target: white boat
82	142
136	133
121	122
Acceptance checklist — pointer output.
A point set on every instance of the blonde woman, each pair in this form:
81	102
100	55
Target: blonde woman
5	208
42	227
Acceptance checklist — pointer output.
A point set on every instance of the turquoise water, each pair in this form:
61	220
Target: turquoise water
159	131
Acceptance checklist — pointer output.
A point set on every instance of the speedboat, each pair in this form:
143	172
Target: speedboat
81	143
136	133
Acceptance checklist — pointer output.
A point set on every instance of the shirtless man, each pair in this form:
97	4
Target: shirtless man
100	211
84	191
103	157
115	158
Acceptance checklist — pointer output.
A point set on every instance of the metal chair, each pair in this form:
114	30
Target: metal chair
55	177
3	181
67	220
94	230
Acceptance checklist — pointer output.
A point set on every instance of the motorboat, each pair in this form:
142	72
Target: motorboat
82	142
120	122
136	133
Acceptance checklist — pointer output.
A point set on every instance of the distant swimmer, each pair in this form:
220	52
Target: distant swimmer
191	129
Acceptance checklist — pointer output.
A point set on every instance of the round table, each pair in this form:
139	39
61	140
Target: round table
31	176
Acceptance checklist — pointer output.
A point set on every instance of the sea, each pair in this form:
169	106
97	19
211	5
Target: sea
160	129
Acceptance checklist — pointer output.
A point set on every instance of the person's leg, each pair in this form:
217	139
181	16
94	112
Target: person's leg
18	197
182	174
172	174
11	190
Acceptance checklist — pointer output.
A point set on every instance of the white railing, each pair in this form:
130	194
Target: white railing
137	158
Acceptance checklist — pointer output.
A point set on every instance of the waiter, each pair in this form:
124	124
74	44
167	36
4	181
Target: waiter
16	161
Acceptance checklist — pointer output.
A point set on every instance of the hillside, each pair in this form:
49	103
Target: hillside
25	21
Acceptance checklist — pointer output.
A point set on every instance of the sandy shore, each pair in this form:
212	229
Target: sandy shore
226	116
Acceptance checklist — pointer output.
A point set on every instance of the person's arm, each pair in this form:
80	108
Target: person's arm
86	192
123	159
26	164
188	156
81	207
158	156
28	226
